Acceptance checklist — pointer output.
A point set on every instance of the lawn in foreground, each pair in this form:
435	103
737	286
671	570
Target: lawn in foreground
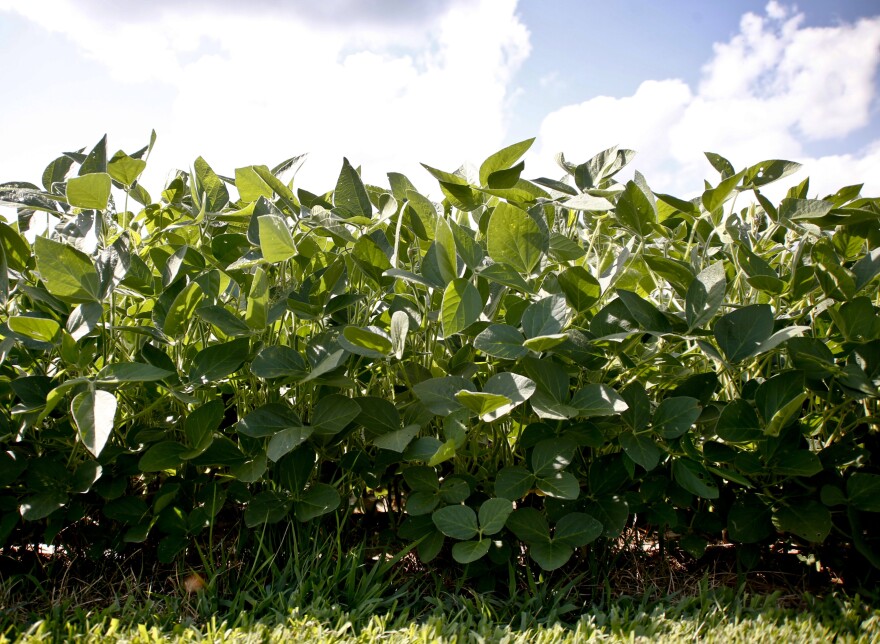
715	616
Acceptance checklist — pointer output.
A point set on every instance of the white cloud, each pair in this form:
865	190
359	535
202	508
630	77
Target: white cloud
767	93
602	122
257	87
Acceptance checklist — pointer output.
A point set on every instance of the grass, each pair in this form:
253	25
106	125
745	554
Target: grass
311	587
714	616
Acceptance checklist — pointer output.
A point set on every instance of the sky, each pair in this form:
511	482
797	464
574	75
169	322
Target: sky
391	83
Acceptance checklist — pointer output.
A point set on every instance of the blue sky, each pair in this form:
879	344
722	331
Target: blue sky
390	83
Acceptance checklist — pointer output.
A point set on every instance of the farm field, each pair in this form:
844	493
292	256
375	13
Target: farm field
532	409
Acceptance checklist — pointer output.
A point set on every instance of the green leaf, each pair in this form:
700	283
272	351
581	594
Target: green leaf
811	356
276	242
612	511
278	187
613	320
167	455
588	202
514	387
738	423
550	556
224	320
767	172
863	490
777	392
15	248
506	275
675	416
430	547
546	406
648	316
468	248
636	210
577	529
250	471
228	247
399	330
90	191
131	372
641	449
182	310
331	414
96	160
831	495
350	196
804	209
370	258
715	197
481	403
514	238
424	449
83	319
397	440
547	316
39	329
705	295
456	521
866	269
370	342
638	413
529	526
748	520
501	341
125	169
378	416
598	400
94	413
694	478
797	463
56	172
218	361
506	183
503	159
286	441
68	273
216	194
740	333
550	456
679	274
581	289
493	515
266	507
786	415
454	490
560	485
268	420
810	520
250	185
127	509
421	503
444	247
465	552
201	424
279	361
438	394
513	482
856	319
39	506
422	478
461	307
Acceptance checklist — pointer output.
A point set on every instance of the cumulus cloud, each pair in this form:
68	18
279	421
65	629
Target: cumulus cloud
433	84
771	90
